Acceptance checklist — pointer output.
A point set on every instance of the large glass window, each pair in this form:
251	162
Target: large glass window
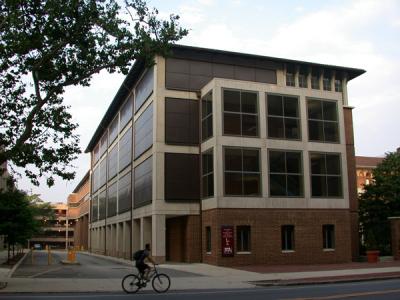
96	154
95	208
206	117
113	162
240	113
285	173
287	237
242	172
113	131
323	124
125	149
103	144
143	183
144	131
126	112
112	200
181	121
207	174
102	205
243	238
124	193
95	179
328	236
144	89
283	117
103	173
326	178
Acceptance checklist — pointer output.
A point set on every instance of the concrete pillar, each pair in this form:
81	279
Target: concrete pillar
120	239
158	237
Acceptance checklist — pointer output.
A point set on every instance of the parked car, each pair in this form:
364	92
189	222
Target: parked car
37	247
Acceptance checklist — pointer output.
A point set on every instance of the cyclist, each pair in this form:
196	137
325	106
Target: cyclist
144	268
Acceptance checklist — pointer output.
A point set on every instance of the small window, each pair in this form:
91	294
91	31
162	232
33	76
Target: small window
283	117
243	238
206	117
290	79
287	234
327	84
208	239
338	85
328	233
207	174
303	81
315	82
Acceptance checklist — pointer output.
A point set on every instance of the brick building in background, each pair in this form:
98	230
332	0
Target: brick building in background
78	212
365	165
227	158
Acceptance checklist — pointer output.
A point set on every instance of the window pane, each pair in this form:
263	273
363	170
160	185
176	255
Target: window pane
208	186
144	131
231	123
331	132
112	162
292	129
126	112
277	185
143	183
233	183
315	82
302	80
231	100
144	88
315	130
333	164
125	150
317	163
112	200
330	112
293	162
275	105
318	186
334	186
249	125
275	127
277	162
249	102
287	237
251	160
207	161
291	107
314	109
233	159
294	185
251	184
208	238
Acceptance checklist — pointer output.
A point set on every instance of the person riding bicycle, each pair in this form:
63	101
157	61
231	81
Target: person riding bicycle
140	258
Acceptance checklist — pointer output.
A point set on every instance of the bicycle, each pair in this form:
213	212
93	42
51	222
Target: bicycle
132	283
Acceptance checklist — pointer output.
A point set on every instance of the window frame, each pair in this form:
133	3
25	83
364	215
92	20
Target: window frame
208	239
284	244
326	236
240	113
323	121
314	87
240	241
260	172
302	195
210	150
207	117
301	85
283	116
338	85
290	79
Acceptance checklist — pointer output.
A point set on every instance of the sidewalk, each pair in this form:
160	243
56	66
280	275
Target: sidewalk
213	277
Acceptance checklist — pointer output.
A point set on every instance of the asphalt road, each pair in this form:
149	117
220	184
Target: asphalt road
373	290
90	267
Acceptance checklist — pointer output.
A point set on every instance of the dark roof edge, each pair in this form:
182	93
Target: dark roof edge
353	72
82	182
122	93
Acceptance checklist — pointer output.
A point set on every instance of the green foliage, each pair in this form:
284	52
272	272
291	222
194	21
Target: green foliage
46	46
381	200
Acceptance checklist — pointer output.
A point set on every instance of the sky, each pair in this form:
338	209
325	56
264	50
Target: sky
361	34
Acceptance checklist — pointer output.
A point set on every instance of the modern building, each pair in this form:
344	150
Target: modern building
78	212
57	232
365	165
227	158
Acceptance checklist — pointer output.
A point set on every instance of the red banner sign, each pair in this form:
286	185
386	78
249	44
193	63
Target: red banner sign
227	241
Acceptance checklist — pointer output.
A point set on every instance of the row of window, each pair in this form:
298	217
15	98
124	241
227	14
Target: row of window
243	238
142	92
242	173
315	82
241	116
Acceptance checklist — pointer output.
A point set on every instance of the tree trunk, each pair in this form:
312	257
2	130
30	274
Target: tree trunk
13	250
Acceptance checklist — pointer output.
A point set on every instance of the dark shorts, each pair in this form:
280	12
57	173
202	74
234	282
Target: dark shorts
142	267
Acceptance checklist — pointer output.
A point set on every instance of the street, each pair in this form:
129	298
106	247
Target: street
387	289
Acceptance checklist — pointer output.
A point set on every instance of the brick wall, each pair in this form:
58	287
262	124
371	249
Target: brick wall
266	236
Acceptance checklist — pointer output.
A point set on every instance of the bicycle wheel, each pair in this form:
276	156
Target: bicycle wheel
161	283
130	284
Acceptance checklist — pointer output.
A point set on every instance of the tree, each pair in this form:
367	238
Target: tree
380	200
21	216
46	46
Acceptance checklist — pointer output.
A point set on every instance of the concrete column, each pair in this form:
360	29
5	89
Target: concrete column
158	237
120	239
108	244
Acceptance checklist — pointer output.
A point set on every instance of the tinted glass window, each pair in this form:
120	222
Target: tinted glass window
144	89
125	149
102	205
103	172
323	122
112	162
328	236
112	200
95	208
326	178
113	132
206	117
207	174
287	237
126	112
96	179
103	144
144	131
143	183
124	193
243	238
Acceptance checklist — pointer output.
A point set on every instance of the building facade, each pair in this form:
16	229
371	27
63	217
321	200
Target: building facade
57	232
227	158
78	212
365	165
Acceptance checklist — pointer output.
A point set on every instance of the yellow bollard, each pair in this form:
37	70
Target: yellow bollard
71	255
